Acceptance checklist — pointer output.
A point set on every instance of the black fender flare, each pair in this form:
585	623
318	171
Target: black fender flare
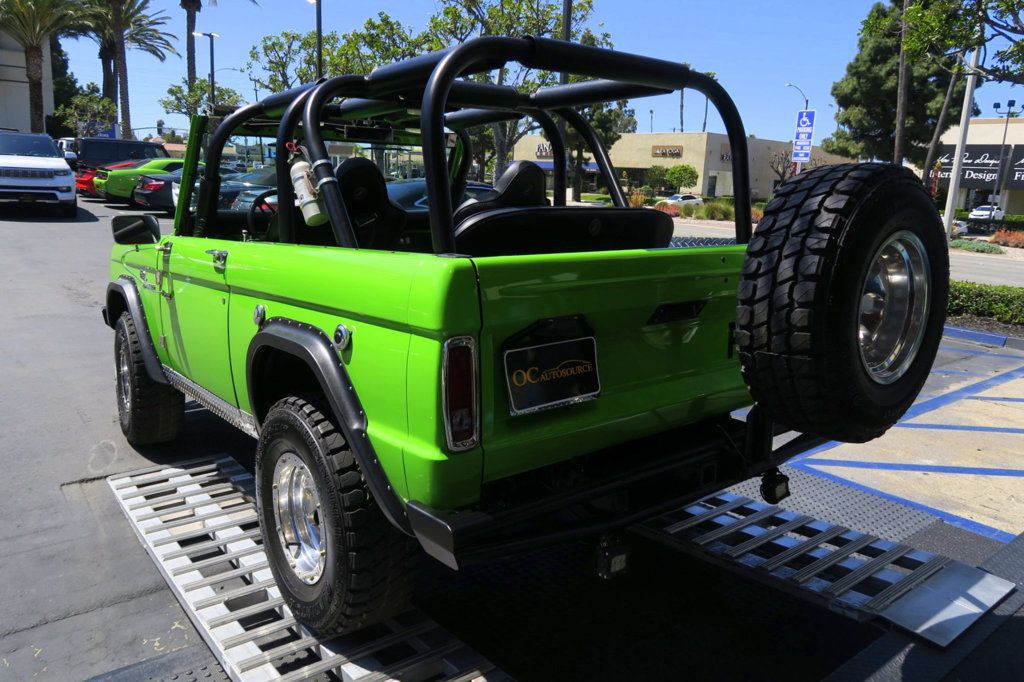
122	295
312	346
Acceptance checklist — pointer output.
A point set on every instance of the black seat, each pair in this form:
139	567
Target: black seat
376	221
562	229
522	184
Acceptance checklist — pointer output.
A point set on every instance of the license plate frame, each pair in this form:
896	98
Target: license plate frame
550	375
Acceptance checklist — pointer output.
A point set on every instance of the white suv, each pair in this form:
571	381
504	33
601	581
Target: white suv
34	171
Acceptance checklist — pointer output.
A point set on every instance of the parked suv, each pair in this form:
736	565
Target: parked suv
34	171
94	152
476	377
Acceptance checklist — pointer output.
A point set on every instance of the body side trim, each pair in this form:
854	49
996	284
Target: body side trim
313	347
125	288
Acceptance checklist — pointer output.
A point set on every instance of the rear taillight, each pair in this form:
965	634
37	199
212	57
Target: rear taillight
458	385
150	185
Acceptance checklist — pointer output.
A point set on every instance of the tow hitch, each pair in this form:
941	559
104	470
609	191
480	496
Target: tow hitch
612	556
774	486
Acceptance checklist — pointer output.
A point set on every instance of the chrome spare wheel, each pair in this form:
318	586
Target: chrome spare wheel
297	517
894	304
124	385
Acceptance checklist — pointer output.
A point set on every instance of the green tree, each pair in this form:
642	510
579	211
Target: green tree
657	177
65	86
88	113
867	96
682	175
951	27
32	23
181	99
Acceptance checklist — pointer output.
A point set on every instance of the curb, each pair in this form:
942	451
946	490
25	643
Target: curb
986	338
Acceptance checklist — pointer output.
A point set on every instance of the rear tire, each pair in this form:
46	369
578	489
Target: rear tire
149	412
832	339
366	568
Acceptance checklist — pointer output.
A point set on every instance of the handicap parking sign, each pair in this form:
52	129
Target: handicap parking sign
802	138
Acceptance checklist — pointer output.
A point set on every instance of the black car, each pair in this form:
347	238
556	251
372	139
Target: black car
411	195
94	152
159	191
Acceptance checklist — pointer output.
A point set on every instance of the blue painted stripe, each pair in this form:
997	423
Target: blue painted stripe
961	427
961	372
996	398
978	351
925	468
976	336
935	403
952	519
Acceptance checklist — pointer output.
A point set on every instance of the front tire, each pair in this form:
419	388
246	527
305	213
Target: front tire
842	299
149	412
339	563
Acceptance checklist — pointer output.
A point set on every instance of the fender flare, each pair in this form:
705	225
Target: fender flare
124	288
312	346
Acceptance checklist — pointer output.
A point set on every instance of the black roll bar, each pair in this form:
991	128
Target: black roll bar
604	162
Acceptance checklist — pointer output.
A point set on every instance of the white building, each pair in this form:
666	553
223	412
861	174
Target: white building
14	111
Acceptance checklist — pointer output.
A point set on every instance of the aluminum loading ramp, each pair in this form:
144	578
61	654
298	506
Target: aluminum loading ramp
857	574
198	522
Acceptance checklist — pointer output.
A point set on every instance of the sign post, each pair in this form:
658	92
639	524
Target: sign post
803	138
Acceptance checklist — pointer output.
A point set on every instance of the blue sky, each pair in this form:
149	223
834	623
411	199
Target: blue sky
754	46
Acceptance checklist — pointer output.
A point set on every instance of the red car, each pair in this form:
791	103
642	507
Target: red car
85	176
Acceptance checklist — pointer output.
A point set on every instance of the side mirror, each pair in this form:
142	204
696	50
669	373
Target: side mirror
72	159
135	229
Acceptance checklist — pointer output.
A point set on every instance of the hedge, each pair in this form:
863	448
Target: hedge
1004	303
976	246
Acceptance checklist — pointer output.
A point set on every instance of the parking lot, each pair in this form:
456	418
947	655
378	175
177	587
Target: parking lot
81	598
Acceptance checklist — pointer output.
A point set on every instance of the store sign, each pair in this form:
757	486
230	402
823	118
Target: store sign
671	151
1014	178
544	150
980	165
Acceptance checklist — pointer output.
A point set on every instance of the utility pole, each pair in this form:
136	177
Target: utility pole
319	39
213	96
563	79
997	193
958	157
902	86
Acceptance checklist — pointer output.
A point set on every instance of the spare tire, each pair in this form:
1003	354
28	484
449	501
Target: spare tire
842	300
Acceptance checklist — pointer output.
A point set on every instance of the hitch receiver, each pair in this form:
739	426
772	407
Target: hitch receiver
774	486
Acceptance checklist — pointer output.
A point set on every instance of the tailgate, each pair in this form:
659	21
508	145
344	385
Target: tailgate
583	351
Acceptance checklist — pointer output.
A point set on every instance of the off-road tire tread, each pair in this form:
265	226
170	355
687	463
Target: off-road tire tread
157	410
789	260
380	565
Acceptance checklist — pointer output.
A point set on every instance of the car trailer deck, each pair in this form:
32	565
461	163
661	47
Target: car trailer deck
897	591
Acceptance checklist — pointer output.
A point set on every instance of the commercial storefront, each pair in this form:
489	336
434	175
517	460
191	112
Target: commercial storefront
709	153
991	172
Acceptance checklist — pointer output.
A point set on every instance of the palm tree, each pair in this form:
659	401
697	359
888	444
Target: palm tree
704	126
31	23
192	8
142	30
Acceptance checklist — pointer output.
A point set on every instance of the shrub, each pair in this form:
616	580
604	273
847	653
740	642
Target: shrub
689	210
637	199
756	214
1004	303
718	211
668	208
1006	237
976	246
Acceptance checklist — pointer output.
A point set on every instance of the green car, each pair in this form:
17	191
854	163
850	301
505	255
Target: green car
120	182
475	378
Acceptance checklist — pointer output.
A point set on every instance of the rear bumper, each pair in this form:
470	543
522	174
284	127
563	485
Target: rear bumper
711	461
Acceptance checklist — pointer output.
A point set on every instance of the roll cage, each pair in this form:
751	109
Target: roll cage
393	98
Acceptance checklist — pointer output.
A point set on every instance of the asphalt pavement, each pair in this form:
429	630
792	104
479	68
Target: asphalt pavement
969	267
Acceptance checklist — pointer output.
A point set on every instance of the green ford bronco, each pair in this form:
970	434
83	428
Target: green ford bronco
476	377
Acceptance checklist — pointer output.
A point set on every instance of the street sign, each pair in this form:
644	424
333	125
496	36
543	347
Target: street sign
802	138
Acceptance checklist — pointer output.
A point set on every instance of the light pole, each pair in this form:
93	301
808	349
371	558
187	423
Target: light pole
652	120
213	96
797	167
997	194
319	40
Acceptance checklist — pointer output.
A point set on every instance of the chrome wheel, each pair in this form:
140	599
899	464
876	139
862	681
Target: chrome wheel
894	303
297	517
123	377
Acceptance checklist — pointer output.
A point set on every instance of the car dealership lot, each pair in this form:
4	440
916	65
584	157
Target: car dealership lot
79	597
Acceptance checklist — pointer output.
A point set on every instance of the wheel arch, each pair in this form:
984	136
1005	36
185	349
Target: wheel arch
303	353
123	296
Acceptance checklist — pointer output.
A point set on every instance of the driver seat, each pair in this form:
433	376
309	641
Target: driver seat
376	221
523	184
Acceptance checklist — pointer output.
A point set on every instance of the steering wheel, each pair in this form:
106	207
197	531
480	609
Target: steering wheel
259	205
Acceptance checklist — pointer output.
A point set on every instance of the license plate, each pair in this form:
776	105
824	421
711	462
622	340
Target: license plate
551	375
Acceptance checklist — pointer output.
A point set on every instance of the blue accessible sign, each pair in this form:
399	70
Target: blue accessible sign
802	138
